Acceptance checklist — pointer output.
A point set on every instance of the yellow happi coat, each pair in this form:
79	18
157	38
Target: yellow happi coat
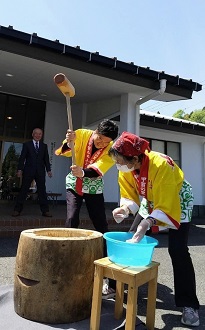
99	161
159	181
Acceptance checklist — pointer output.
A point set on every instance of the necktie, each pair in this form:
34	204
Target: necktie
36	146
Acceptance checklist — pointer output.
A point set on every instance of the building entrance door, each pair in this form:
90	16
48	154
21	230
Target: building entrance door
10	152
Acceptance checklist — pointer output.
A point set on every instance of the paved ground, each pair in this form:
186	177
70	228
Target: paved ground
167	316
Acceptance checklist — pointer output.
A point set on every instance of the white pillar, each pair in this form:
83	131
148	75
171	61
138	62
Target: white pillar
137	120
129	114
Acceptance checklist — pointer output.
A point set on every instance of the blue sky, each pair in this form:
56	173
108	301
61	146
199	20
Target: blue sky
163	35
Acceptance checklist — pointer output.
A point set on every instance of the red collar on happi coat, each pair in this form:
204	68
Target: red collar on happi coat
89	159
142	177
142	180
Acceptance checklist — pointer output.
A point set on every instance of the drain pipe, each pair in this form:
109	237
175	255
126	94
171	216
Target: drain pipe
154	94
149	97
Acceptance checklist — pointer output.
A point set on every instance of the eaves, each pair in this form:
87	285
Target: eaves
33	46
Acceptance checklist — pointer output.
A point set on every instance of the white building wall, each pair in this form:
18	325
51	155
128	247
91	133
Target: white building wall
193	164
111	188
128	114
192	157
77	111
56	125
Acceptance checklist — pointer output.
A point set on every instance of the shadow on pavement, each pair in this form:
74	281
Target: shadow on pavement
8	247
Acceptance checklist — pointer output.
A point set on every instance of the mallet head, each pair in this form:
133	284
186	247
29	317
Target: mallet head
64	84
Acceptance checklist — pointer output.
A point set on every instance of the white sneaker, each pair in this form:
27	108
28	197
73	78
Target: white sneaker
107	292
190	317
105	286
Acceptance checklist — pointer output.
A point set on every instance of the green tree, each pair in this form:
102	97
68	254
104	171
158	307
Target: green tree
179	114
10	163
197	116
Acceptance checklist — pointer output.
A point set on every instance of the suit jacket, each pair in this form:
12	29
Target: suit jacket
32	163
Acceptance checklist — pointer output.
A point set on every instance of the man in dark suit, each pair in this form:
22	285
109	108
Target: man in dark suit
33	163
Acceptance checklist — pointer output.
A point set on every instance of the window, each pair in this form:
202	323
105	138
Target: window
19	116
2	112
171	149
15	117
158	146
10	156
36	116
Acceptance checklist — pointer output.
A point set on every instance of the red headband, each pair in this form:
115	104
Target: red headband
129	144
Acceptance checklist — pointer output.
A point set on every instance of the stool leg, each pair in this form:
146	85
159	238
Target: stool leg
119	300
97	298
151	302
131	307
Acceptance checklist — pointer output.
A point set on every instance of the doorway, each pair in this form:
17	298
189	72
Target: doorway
10	153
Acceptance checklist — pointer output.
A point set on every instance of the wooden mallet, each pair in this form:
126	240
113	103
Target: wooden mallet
68	91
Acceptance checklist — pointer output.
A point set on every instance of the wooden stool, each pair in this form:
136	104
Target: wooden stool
134	277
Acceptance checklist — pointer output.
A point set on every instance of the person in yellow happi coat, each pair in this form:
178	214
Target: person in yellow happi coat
166	202
85	181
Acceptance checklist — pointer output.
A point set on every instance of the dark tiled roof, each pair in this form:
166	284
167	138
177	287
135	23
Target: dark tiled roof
171	123
97	59
154	120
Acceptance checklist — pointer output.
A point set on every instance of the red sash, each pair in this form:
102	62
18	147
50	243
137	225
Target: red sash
89	158
142	178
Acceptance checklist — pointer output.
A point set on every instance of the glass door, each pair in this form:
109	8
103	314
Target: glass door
10	152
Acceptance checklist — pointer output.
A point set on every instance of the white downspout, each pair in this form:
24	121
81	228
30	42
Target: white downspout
151	96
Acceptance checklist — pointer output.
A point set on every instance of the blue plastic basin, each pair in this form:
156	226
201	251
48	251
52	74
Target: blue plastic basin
129	254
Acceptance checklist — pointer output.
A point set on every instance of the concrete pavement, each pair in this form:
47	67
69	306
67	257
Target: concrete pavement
167	315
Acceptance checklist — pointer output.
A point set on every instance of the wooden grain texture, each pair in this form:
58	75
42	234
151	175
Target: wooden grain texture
54	274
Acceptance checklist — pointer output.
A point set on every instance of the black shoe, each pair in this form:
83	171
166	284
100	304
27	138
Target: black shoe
46	214
16	214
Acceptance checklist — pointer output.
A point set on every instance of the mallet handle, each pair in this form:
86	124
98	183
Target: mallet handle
70	125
